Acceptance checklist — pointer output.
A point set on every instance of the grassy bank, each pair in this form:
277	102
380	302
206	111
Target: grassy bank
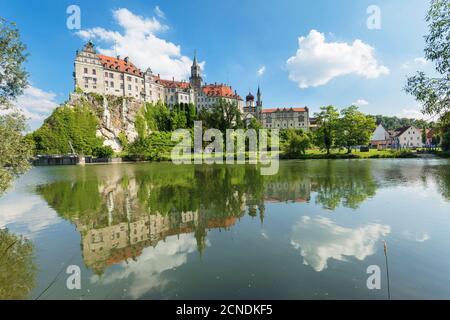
356	154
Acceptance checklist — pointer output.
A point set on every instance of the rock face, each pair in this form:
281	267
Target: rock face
116	115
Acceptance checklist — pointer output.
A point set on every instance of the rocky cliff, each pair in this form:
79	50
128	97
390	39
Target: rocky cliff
116	115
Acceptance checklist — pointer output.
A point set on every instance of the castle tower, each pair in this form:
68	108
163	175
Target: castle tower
196	80
258	101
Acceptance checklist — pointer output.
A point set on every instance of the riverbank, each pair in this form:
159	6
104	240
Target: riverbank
311	154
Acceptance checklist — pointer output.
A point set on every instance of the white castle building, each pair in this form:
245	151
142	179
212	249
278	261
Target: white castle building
120	77
275	118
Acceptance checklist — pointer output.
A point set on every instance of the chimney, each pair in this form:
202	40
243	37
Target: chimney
126	59
118	57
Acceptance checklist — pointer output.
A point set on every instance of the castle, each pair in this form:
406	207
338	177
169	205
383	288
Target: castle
120	77
275	118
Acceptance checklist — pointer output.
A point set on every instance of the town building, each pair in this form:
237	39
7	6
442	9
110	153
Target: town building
96	73
381	139
405	137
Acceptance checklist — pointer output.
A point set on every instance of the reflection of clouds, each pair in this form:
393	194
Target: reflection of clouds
418	237
29	217
320	239
148	268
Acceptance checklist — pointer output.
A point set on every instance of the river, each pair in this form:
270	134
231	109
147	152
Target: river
160	231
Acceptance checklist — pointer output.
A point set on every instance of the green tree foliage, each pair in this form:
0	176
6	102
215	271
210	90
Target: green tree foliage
325	134
15	151
77	125
158	117
13	77
17	268
354	128
391	123
297	143
223	115
255	124
434	92
156	146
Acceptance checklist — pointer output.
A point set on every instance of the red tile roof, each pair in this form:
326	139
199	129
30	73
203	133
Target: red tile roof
220	90
283	110
119	65
175	84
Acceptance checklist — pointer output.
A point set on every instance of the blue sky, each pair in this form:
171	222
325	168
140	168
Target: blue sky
340	60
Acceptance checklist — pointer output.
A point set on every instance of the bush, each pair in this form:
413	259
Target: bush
103	152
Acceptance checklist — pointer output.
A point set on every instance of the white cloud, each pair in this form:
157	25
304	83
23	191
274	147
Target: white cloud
320	239
318	62
159	13
147	272
416	62
261	71
27	218
138	40
36	104
360	102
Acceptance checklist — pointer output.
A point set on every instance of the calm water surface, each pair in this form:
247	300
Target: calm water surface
160	231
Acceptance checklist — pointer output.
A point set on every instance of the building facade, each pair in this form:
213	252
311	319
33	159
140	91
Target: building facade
405	137
95	73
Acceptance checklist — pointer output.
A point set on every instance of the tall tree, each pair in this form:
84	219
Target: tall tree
434	92
13	77
15	150
354	128
325	134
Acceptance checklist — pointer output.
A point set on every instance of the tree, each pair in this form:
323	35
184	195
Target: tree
297	143
327	123
433	92
223	115
13	77
255	124
354	128
15	151
77	125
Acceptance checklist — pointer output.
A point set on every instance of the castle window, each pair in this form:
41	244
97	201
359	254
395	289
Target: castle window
112	84
129	87
94	71
111	75
106	74
85	70
128	78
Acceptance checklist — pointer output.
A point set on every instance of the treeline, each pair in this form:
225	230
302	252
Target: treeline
343	130
392	123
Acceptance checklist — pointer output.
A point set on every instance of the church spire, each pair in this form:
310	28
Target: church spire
195	58
258	98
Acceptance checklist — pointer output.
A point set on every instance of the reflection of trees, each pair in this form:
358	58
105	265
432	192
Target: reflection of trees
442	176
342	182
17	270
121	213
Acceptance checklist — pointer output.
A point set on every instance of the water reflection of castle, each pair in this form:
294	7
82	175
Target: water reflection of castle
122	211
